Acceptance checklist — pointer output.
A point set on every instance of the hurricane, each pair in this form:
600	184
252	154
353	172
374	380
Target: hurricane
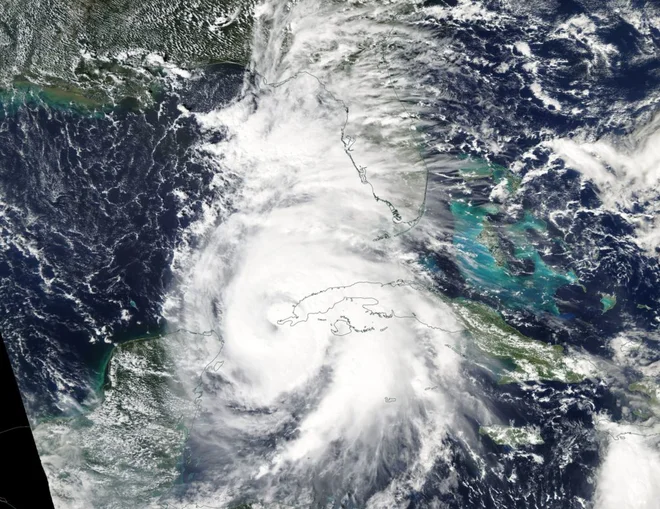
337	354
335	254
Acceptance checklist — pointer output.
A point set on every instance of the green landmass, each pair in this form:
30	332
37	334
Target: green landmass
530	359
476	169
649	405
489	238
108	87
122	342
642	413
136	432
648	388
512	436
92	54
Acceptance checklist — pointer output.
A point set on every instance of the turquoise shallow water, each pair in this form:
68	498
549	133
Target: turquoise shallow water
608	302
482	269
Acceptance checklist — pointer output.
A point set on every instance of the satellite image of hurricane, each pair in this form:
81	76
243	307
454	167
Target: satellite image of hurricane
334	253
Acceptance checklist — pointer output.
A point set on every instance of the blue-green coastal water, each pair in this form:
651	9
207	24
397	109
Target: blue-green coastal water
485	264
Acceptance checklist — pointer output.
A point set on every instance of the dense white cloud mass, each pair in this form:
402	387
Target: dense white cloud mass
326	330
629	474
